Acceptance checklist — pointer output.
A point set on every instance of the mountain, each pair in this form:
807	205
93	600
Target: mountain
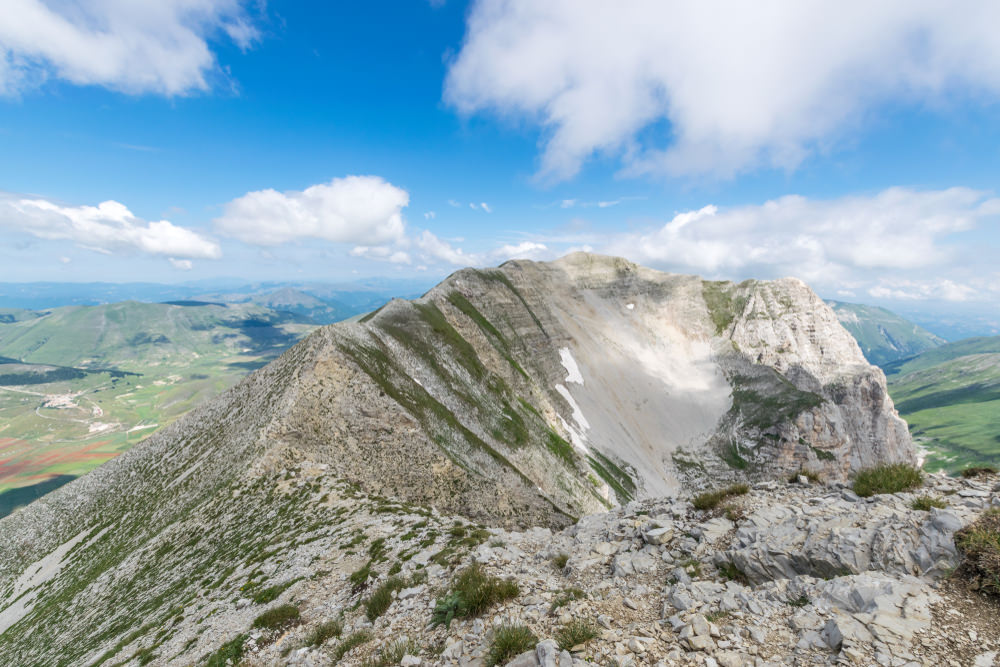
524	396
883	335
950	396
81	384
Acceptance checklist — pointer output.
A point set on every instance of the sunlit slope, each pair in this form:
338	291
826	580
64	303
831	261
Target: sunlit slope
950	396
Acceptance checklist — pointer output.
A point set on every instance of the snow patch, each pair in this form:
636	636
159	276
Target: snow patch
578	434
630	306
569	363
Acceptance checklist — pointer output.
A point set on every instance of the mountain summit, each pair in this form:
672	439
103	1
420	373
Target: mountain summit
527	395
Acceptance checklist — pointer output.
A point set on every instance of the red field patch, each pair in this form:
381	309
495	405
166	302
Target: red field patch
36	463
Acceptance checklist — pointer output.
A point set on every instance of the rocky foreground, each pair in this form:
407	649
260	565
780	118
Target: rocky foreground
793	573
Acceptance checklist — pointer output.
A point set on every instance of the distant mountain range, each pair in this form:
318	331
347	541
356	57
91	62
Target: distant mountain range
883	335
322	302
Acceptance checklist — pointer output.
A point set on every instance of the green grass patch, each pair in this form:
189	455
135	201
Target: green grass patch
350	642
509	641
560	560
566	596
472	592
381	597
575	633
889	478
230	653
279	618
979	544
925	503
323	632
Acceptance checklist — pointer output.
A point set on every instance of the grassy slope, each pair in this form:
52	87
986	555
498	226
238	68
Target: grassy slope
183	355
950	396
883	335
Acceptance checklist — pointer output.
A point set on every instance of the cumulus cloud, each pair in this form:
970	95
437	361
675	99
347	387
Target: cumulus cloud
739	84
135	47
108	227
883	243
365	210
436	250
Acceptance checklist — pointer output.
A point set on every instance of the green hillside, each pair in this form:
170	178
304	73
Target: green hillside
883	336
950	396
79	385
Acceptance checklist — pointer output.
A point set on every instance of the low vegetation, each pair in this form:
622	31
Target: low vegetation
509	641
350	642
979	544
560	561
711	499
978	471
230	653
381	598
889	478
323	632
279	618
811	475
575	633
925	503
566	596
472	592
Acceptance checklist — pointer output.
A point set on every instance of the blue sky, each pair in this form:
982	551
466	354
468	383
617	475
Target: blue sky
859	149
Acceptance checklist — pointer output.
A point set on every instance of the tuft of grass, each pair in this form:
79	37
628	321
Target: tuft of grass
730	572
560	561
925	503
800	601
392	653
566	596
472	593
323	632
889	478
279	618
230	653
574	633
509	641
978	471
381	597
349	642
979	544
711	499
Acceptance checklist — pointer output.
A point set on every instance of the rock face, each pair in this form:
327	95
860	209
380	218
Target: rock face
528	395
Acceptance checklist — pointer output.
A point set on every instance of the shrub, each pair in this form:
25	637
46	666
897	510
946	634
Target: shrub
925	503
575	633
279	618
979	544
229	653
472	593
890	478
711	499
324	631
978	471
560	561
350	642
509	641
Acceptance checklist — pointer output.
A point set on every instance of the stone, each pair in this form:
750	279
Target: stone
547	653
526	659
628	602
414	661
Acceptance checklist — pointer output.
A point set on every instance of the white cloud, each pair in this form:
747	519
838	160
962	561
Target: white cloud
107	227
181	264
740	84
430	215
135	47
438	250
485	207
884	244
365	210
